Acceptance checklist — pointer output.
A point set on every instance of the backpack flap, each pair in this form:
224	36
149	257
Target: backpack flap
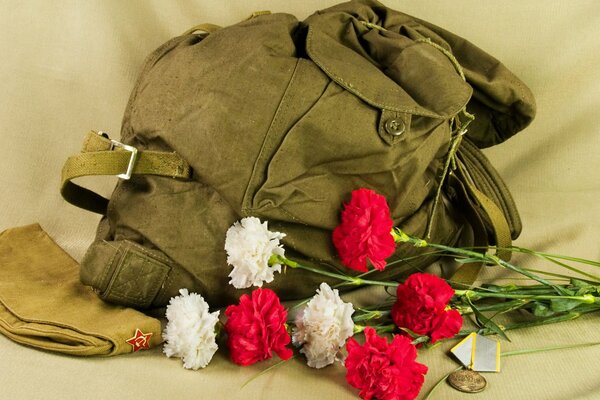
502	104
402	64
385	68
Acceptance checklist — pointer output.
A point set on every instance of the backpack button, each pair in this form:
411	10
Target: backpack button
395	127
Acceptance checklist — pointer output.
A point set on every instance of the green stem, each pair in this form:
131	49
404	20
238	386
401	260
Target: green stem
558	256
357	281
545	321
378	328
570	268
442	380
300	303
509	354
474	295
553	258
385	328
369	315
264	371
406	259
503	307
551	348
402	237
556	275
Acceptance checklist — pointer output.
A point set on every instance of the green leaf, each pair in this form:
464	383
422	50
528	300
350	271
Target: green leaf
579	283
467	260
486	322
420	339
502	288
561	305
412	334
542	310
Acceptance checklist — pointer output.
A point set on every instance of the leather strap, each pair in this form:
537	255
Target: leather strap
99	156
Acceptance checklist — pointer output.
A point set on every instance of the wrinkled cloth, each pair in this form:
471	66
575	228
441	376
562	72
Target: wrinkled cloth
68	67
43	304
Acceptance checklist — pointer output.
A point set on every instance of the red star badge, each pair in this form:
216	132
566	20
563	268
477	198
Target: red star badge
140	341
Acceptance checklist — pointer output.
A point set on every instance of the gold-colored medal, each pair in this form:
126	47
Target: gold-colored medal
467	381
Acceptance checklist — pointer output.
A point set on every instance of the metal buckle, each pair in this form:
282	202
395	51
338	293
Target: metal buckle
133	150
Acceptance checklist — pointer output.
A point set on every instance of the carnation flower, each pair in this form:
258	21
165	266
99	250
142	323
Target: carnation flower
421	306
365	231
190	332
249	246
256	328
382	370
323	326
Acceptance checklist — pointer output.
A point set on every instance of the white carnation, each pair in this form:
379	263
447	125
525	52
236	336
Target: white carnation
190	332
249	246
323	326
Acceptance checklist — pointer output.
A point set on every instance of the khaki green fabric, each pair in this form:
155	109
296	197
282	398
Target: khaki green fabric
282	120
102	156
43	304
68	67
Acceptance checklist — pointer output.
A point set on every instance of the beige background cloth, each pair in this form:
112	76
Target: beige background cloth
67	67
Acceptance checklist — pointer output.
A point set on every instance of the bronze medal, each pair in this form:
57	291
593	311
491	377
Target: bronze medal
467	381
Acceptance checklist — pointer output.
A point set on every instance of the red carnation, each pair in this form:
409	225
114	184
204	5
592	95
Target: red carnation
421	307
256	327
384	370
365	231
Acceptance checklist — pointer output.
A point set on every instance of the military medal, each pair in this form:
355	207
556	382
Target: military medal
467	381
476	353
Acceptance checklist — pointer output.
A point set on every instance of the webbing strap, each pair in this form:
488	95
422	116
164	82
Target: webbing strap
492	215
485	218
99	156
489	182
207	28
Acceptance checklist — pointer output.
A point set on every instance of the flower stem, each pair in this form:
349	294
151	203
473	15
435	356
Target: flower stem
500	308
442	380
512	353
378	328
264	371
539	350
401	237
568	258
357	281
476	295
368	315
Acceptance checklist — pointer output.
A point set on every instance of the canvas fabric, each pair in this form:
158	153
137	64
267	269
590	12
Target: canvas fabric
281	120
70	66
44	305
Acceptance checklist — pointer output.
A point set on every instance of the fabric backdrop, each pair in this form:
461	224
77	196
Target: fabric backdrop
67	67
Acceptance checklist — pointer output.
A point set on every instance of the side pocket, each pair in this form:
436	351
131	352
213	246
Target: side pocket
125	273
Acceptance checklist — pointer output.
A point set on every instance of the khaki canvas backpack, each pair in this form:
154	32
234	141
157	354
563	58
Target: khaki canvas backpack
282	120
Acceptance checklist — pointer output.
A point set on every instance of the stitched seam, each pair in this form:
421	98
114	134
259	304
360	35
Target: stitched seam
268	140
102	278
350	87
141	299
147	252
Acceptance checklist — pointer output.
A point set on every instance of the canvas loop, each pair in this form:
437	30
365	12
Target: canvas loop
99	156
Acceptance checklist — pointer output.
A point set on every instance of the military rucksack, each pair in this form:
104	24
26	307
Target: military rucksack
282	120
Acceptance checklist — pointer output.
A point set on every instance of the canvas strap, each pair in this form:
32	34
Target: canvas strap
102	156
487	205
